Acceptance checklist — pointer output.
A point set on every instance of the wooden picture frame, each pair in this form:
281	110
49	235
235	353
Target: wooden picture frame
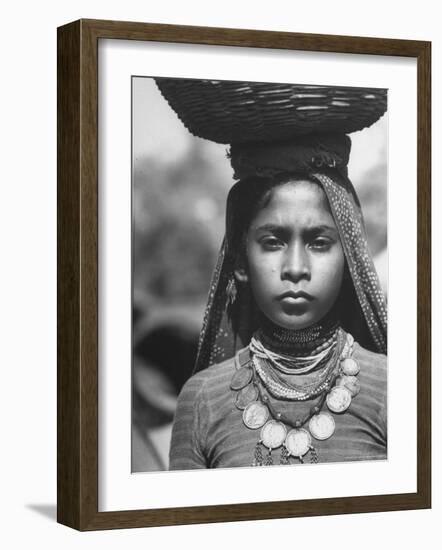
77	459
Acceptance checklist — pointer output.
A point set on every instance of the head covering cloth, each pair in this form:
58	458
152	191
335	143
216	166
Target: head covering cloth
323	159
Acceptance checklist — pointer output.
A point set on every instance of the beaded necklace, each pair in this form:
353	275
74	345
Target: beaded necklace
288	364
284	390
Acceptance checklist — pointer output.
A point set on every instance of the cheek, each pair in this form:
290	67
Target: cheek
258	263
262	271
258	272
263	267
330	271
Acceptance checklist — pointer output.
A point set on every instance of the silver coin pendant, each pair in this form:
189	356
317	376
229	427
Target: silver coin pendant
351	383
298	442
273	434
322	426
241	378
245	396
339	399
350	367
255	415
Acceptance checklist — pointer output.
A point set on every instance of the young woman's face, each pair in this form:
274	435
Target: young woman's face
295	261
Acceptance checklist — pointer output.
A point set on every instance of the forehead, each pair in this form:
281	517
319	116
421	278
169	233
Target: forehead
300	203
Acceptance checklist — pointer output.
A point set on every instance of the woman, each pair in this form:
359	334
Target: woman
296	292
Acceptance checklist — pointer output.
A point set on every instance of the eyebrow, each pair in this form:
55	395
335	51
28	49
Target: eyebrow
275	228
321	228
271	227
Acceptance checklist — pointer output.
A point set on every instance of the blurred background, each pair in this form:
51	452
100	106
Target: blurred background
180	186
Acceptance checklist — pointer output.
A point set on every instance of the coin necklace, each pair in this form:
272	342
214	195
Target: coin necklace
259	413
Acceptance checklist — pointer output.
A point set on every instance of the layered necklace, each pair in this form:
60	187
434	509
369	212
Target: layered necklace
273	352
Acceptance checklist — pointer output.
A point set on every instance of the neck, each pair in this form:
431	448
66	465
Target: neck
282	340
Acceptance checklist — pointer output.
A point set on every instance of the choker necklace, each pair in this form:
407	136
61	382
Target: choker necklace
298	342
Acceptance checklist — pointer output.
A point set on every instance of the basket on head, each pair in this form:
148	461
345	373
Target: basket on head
238	112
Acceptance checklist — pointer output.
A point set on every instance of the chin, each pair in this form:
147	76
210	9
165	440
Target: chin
295	323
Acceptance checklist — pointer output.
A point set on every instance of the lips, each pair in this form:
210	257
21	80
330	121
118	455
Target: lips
295	295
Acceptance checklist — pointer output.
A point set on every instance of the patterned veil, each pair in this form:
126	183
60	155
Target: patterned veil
323	159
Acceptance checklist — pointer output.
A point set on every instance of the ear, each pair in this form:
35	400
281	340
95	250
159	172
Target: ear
241	275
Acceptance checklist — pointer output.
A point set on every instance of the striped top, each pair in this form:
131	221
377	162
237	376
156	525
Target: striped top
208	430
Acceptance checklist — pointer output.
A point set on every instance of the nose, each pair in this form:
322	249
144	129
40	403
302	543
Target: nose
296	264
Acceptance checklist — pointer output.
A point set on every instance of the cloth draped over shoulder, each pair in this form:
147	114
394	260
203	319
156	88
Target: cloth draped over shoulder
323	159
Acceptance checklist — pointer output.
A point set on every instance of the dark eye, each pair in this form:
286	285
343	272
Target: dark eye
271	242
321	244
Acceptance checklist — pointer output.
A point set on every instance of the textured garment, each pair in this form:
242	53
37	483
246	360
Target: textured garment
208	430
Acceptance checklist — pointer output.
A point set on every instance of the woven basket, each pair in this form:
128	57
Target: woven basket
237	112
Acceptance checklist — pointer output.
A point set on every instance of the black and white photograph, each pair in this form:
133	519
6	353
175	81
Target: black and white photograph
220	275
259	274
